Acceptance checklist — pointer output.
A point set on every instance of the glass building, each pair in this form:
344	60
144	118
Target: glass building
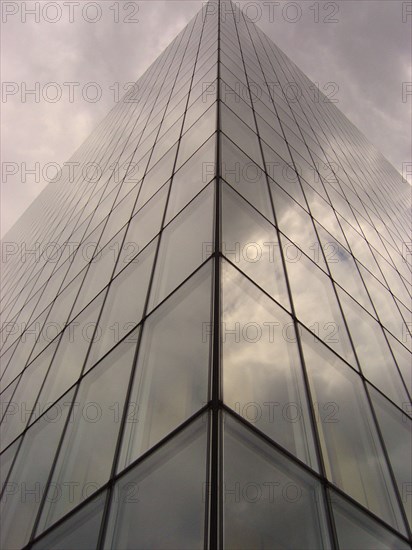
206	320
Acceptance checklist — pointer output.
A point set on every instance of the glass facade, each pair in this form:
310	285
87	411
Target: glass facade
206	327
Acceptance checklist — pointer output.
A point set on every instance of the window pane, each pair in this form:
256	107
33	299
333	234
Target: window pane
25	396
245	176
86	455
99	274
240	134
124	304
157	177
19	510
373	351
160	503
272	138
353	456
172	371
185	244
144	225
315	302
250	242
296	224
262	378
283	174
396	428
237	105
269	502
79	532
343	268
403	358
71	353
197	135
192	177
6	460
357	530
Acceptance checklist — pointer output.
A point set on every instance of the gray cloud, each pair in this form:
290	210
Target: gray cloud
366	53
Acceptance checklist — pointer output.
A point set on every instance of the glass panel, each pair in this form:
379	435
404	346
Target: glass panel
269	502
251	243
372	350
24	398
144	225
99	274
6	460
23	491
185	243
356	530
384	304
197	135
86	456
283	174
352	453
201	103
396	428
245	176
403	358
79	532
262	378
297	225
240	134
343	268
123	308
71	353
160	503
237	105
192	177
272	138
316	304
172	371
157	177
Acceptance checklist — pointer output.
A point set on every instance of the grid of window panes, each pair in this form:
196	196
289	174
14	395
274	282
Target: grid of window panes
206	320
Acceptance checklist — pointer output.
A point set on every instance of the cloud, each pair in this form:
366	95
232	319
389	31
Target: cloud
366	53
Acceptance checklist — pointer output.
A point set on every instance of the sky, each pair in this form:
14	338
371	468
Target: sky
77	57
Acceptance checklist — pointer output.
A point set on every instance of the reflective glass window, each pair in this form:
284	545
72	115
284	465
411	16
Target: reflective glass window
192	177
269	502
372	350
315	301
355	529
241	134
123	308
172	370
71	353
79	531
86	455
262	377
396	428
19	509
245	176
185	244
160	503
197	135
352	453
250	242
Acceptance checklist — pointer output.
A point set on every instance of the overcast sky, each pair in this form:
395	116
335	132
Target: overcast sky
361	46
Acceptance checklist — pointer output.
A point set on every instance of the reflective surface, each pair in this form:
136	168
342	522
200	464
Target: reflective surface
241	255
